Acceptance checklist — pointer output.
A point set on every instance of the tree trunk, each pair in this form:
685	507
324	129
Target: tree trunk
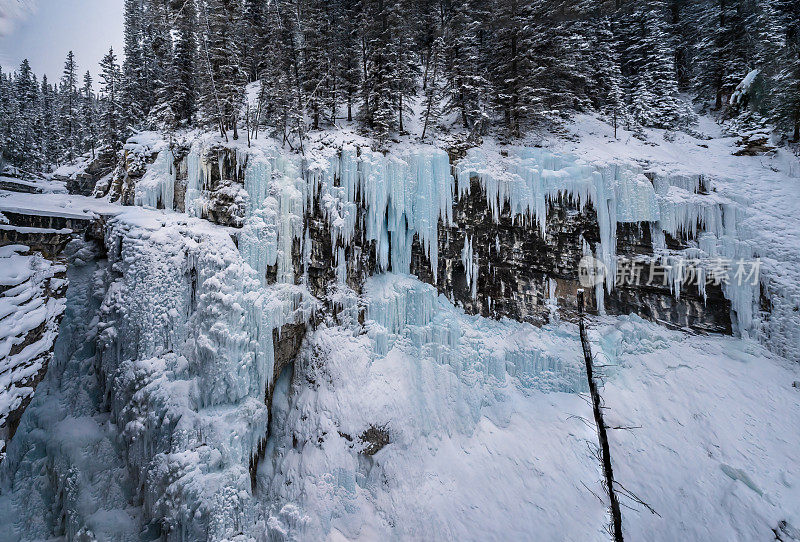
401	112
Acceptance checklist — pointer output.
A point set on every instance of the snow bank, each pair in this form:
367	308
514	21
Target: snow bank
713	445
476	413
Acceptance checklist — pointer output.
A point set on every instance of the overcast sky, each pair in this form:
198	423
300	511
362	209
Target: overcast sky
44	30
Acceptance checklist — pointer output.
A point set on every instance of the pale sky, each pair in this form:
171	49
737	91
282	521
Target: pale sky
44	30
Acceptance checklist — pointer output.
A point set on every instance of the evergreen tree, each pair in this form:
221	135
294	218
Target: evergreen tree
513	74
348	55
787	79
223	81
5	118
434	91
722	51
160	66
133	71
606	84
648	64
390	73
317	66
69	100
111	107
24	141
253	38
466	64
51	150
88	124
184	95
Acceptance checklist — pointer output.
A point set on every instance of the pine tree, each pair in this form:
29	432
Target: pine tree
405	72
253	38
787	79
88	123
69	99
317	65
512	71
378	110
389	80
606	84
723	49
49	121
466	64
24	142
223	80
111	106
348	55
434	91
133	71
184	95
160	67
5	118
648	63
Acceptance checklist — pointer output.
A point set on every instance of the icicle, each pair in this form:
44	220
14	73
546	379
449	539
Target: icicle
158	184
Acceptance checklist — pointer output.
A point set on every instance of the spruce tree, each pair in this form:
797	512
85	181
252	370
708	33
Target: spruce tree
513	74
88	122
466	64
24	142
317	66
49	125
648	65
133	72
184	94
160	67
69	100
253	39
111	107
222	91
348	55
433	101
722	58
786	112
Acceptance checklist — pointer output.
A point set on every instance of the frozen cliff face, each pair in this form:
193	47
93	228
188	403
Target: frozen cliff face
420	423
430	423
344	212
187	355
174	344
32	303
405	415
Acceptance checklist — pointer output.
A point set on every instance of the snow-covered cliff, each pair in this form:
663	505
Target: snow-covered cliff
365	345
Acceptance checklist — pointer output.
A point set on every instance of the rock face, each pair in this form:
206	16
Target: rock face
520	274
33	285
32	290
82	176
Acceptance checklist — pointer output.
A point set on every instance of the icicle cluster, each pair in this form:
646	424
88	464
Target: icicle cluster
396	197
406	311
157	187
187	354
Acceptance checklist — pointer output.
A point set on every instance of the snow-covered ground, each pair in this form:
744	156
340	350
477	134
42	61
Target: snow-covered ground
483	420
55	204
712	438
488	441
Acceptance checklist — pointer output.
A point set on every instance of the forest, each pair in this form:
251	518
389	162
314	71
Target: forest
504	67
